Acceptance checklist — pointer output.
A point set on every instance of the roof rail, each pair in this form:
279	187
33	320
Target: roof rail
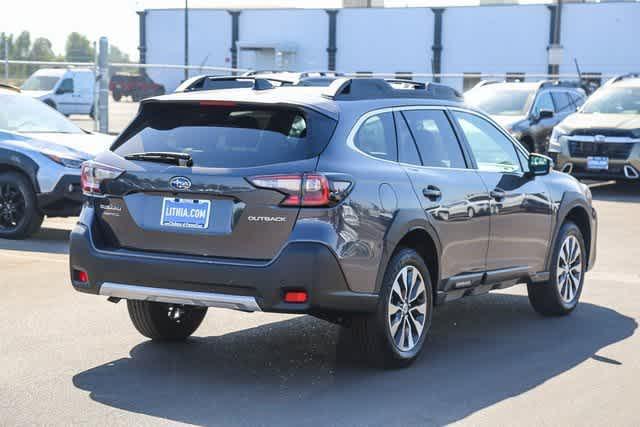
213	82
622	77
352	89
10	87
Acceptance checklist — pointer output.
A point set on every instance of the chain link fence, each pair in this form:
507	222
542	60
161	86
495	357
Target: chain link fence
117	88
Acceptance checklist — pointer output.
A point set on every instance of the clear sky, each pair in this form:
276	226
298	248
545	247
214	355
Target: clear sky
117	19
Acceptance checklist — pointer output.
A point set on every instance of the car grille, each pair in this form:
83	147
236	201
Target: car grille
591	149
608	132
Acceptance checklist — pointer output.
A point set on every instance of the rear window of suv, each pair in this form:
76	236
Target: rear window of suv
225	135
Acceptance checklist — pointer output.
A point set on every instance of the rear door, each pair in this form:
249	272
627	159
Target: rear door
521	207
83	91
452	195
211	208
64	98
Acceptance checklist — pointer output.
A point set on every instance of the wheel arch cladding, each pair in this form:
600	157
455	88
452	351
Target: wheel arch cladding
574	208
415	233
11	161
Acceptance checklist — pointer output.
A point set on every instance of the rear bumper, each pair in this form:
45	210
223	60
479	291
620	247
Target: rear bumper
233	284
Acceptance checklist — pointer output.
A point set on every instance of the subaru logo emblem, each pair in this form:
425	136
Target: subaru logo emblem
599	138
180	183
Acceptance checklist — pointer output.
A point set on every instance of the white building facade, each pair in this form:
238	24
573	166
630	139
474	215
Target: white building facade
468	42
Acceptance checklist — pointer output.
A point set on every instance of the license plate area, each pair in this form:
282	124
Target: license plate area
185	213
598	163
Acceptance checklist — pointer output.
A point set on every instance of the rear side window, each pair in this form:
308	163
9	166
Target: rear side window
228	136
377	137
437	143
407	151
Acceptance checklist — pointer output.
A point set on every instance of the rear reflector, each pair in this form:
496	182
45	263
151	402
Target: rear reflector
296	297
80	276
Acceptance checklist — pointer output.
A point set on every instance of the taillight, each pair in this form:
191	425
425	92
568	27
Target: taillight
306	190
93	174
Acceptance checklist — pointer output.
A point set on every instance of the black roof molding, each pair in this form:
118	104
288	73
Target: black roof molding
622	77
213	82
354	89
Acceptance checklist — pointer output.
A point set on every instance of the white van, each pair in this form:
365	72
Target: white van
68	90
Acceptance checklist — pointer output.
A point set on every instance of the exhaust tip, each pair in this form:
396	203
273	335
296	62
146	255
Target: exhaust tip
567	168
630	172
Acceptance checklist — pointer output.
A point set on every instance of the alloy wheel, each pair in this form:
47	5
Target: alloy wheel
569	269
407	312
12	206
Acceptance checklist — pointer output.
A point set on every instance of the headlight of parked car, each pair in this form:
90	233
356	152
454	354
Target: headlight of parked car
67	162
554	141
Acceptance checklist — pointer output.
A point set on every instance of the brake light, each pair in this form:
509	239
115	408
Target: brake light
93	174
306	190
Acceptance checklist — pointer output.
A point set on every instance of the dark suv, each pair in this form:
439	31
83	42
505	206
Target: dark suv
529	111
360	203
602	140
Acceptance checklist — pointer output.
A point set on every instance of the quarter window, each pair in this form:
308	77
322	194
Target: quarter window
493	151
436	141
377	137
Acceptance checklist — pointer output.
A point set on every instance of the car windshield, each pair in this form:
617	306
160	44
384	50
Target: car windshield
21	113
615	100
501	101
36	82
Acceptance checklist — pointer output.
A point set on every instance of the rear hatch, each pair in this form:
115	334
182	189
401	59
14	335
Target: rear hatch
202	199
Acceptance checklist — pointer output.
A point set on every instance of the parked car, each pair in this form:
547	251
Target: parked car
529	111
137	86
40	156
324	201
68	90
602	140
277	78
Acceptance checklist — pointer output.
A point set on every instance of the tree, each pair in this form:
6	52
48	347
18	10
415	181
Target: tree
42	50
22	46
78	48
116	55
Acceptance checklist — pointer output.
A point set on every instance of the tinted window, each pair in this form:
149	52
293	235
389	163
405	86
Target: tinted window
493	151
543	102
220	136
562	102
407	151
377	137
437	144
66	86
577	99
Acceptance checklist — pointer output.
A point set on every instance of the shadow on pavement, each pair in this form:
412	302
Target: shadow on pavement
628	192
481	351
48	240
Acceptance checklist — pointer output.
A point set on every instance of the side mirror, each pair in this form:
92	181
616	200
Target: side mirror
545	114
61	91
539	164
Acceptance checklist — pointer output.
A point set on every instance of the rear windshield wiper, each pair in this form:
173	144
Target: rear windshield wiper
179	159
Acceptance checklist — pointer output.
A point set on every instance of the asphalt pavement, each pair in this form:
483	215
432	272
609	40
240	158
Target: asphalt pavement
69	358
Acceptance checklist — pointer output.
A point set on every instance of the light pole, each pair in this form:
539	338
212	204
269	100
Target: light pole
186	39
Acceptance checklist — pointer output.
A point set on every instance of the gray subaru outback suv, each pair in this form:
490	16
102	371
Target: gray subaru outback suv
365	203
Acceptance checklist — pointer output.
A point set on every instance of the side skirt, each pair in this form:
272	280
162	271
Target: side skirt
478	283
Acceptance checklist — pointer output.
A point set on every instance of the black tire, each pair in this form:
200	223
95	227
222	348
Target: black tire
156	320
372	333
20	216
117	96
546	297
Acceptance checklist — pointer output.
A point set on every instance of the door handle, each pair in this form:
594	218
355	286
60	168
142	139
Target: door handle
432	192
498	194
